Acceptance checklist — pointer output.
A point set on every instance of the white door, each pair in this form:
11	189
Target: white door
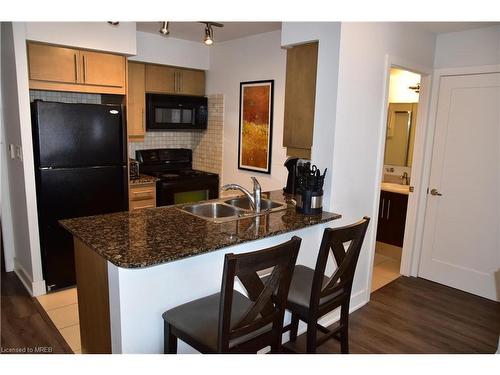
461	246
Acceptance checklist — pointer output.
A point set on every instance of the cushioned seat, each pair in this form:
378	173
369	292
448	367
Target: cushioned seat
199	319
299	294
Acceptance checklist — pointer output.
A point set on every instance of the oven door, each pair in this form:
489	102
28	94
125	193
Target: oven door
177	192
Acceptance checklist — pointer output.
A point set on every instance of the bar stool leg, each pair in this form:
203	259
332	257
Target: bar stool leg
169	340
311	336
294	327
344	332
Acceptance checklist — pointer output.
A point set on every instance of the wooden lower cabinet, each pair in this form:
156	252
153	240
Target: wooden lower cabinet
392	218
142	196
93	300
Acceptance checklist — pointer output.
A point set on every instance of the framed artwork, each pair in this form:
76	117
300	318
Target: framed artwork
256	126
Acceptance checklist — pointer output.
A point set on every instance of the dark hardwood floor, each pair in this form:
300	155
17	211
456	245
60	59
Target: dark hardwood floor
412	315
25	327
407	316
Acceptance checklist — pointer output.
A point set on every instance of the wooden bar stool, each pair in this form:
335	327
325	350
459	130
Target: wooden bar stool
230	322
313	295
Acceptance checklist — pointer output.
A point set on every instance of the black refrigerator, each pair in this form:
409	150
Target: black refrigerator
81	170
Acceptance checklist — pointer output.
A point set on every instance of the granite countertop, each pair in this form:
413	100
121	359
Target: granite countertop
143	179
152	236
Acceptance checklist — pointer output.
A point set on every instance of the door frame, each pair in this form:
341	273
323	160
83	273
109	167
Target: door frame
429	145
410	257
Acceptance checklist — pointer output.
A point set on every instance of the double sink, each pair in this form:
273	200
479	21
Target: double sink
231	209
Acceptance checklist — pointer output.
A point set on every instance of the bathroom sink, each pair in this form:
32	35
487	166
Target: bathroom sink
214	211
265	204
395	188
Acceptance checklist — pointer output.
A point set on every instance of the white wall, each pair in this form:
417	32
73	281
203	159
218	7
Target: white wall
170	51
92	35
328	36
5	209
361	102
468	48
258	57
21	179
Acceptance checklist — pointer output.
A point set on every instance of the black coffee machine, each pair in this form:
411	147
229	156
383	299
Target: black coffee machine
291	182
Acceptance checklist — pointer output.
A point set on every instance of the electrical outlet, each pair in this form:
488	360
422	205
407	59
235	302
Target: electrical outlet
12	151
19	152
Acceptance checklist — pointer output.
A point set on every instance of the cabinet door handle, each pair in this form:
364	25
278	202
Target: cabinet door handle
76	67
388	208
143	120
180	81
84	69
382	210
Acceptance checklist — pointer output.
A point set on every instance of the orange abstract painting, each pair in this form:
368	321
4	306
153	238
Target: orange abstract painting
256	102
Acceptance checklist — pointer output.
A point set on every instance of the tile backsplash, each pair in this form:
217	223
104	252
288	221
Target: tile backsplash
65	97
206	144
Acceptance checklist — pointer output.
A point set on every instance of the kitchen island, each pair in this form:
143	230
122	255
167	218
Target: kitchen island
132	266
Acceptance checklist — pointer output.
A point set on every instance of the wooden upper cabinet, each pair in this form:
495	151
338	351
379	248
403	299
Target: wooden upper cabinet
160	79
169	80
69	69
103	69
300	98
136	105
56	64
191	82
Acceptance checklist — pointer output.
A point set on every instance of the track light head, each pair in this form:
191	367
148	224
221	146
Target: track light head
209	35
164	28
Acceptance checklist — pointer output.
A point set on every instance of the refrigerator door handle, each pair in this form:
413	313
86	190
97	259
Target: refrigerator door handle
45	168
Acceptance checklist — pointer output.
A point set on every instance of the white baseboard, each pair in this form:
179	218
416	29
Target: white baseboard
34	288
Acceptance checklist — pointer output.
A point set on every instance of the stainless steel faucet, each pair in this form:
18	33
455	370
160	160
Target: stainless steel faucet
254	197
404	177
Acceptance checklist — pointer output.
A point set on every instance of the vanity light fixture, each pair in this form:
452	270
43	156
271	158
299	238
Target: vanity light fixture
415	88
164	28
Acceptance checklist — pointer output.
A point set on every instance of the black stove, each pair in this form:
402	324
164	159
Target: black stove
178	182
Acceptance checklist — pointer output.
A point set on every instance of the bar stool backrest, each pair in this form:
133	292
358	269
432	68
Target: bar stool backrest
334	240
268	299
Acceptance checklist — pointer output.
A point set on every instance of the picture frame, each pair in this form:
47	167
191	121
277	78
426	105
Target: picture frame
256	126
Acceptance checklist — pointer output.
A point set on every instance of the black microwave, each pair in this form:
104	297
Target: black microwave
176	112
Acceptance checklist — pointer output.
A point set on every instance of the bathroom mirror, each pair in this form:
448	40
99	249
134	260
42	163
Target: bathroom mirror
401	120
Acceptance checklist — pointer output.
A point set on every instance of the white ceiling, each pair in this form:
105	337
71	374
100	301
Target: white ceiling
195	31
234	30
451	27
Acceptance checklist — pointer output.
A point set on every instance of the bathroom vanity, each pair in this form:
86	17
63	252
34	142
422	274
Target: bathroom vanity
392	214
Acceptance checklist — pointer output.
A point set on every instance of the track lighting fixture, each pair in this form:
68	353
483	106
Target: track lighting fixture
208	38
164	28
209	35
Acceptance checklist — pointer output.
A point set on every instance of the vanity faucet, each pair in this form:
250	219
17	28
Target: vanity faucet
254	197
404	177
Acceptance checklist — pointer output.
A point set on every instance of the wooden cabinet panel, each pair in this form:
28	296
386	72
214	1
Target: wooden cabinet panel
67	69
142	196
191	82
103	69
300	97
136	115
392	218
56	64
160	79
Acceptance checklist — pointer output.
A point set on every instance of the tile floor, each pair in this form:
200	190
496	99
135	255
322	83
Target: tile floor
62	308
385	270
